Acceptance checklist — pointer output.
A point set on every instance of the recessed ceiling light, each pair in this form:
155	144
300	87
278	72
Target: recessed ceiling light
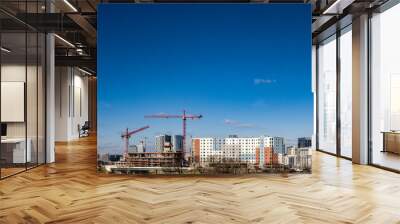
84	71
64	40
338	6
70	5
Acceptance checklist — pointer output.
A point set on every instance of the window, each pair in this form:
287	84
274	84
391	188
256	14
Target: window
327	95
385	88
346	92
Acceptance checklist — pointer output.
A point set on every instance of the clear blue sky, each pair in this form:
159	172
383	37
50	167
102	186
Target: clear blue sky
245	67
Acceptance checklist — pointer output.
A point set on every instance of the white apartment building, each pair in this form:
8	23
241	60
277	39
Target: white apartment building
243	149
234	148
276	143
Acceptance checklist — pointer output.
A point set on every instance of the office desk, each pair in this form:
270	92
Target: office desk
13	150
391	142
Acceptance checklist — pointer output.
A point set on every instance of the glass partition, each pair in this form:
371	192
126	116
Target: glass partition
41	96
22	91
327	95
385	88
14	153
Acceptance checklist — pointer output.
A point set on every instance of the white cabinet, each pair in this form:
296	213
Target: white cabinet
19	154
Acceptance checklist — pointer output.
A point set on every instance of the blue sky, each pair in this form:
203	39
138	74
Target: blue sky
245	67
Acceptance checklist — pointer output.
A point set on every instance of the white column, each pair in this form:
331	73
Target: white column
50	99
360	90
314	92
50	92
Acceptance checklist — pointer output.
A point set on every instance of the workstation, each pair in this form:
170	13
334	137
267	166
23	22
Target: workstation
391	142
16	151
16	146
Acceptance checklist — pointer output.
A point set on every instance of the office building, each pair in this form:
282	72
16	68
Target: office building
48	74
177	143
291	150
167	143
163	143
304	142
159	143
276	143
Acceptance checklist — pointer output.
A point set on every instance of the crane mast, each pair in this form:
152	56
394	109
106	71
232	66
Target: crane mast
128	134
184	117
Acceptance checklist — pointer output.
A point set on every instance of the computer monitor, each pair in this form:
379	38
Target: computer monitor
3	129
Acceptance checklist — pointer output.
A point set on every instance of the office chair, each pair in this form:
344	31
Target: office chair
84	130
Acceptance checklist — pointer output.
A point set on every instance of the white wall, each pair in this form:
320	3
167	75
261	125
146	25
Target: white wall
71	102
33	126
12	73
16	73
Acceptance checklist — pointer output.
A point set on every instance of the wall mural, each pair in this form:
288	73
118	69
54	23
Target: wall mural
204	89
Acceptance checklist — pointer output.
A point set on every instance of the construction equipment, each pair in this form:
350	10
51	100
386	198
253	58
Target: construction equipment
128	134
184	117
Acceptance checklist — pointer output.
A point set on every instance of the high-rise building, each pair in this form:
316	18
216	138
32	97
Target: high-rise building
276	143
163	143
167	143
177	143
159	143
304	142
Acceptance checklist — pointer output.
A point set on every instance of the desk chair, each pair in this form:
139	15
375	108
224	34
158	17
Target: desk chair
84	130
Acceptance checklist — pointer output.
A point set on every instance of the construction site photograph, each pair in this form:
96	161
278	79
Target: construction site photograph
193	89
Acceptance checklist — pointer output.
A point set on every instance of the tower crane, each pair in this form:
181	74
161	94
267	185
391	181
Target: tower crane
182	116
128	134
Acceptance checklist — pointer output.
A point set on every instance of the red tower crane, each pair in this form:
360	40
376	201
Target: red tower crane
127	135
184	117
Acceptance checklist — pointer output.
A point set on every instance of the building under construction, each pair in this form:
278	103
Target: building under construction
151	159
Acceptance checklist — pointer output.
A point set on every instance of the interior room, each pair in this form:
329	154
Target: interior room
25	62
22	102
49	161
385	89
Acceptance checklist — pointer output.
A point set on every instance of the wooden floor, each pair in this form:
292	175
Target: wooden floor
70	191
5	172
387	159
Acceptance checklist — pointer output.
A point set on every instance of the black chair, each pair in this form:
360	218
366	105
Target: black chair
84	130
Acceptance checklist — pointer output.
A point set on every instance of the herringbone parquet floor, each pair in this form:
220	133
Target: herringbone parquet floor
70	191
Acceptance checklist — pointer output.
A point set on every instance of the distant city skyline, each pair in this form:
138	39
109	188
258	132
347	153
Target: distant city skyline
208	60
